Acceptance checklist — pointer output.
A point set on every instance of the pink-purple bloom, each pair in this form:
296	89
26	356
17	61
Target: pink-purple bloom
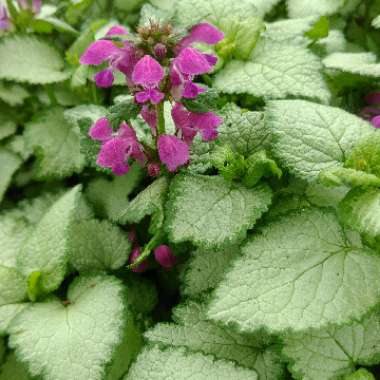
5	22
156	69
372	111
164	256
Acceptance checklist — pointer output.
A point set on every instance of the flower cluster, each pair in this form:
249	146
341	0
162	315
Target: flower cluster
33	6
372	111
159	66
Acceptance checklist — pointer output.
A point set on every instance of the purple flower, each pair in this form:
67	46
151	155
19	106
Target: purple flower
136	252
116	148
172	151
376	121
372	112
118	58
193	62
150	117
203	32
5	23
154	169
164	256
148	73
189	123
117	30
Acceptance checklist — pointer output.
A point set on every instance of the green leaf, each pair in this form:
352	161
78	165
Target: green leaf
174	363
45	250
204	102
376	22
13	94
16	224
7	126
366	156
29	59
244	131
211	212
333	352
363	64
303	271
360	210
125	110
79	338
324	196
309	137
12	286
319	30
304	8
142	295
7	314
12	369
110	197
9	163
150	201
98	246
349	177
239	21
360	374
193	331
276	70
57	144
205	270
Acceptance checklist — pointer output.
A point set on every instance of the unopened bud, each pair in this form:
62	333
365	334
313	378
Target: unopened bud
160	51
154	169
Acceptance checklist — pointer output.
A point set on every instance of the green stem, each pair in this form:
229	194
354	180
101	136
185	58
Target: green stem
153	243
160	119
51	95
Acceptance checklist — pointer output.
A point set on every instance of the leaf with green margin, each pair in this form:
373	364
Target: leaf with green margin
46	251
150	201
73	341
303	8
13	94
276	70
9	164
193	331
56	143
303	271
360	210
360	374
26	58
349	177
333	352
12	286
239	21
244	131
205	270
310	137
325	196
211	212
363	64
176	363
366	155
110	197
12	369
95	245
8	126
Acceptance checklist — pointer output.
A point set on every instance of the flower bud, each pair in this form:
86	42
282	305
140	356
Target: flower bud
164	256
154	169
160	51
136	252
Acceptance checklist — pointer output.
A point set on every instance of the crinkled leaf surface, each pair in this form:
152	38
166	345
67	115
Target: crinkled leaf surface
310	137
177	364
13	94
75	341
12	286
303	271
211	212
194	331
303	8
29	59
275	70
333	352
45	251
7	314
9	163
95	245
56	143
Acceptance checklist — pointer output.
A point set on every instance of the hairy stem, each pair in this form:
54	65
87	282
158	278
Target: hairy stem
160	119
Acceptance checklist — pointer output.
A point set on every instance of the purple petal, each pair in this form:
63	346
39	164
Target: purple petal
150	117
112	153
104	78
191	90
373	98
142	96
207	123
36	6
117	30
126	60
181	118
211	59
191	61
164	256
133	257
4	18
173	152
134	149
156	96
101	130
98	52
368	112
120	169
147	72
202	32
23	4
375	121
